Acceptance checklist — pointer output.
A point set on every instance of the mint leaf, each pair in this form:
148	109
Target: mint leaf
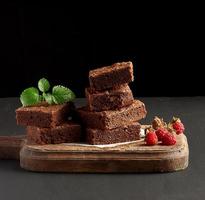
48	97
30	96
43	85
41	98
62	94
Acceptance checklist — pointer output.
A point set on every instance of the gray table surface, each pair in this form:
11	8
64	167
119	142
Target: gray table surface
15	183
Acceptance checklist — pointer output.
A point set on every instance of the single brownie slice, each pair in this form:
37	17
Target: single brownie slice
110	76
44	116
112	118
110	99
124	133
68	132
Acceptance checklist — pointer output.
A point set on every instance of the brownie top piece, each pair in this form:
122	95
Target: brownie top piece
111	76
43	108
44	115
108	69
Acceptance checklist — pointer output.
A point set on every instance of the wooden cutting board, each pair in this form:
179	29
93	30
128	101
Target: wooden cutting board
132	157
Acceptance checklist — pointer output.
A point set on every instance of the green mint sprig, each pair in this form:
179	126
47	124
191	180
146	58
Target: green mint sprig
43	85
60	94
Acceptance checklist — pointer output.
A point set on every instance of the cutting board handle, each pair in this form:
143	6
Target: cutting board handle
10	146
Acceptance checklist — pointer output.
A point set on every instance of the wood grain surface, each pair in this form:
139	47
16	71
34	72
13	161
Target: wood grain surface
132	157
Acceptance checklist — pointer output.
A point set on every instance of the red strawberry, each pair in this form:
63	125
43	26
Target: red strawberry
160	132
151	138
169	139
179	127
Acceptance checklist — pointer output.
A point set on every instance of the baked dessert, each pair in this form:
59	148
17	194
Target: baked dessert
111	76
67	132
112	118
110	99
44	115
121	134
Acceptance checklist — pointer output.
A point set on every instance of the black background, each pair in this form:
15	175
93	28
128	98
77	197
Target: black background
63	42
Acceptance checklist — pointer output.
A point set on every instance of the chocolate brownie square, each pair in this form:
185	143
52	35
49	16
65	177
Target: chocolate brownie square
112	118
124	133
44	116
68	132
111	76
110	99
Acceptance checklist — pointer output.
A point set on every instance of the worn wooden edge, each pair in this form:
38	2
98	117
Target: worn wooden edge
106	161
10	146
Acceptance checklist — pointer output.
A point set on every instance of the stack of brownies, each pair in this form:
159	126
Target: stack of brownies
112	114
49	124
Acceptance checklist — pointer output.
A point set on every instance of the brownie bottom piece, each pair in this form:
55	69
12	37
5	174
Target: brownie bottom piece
121	134
69	132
